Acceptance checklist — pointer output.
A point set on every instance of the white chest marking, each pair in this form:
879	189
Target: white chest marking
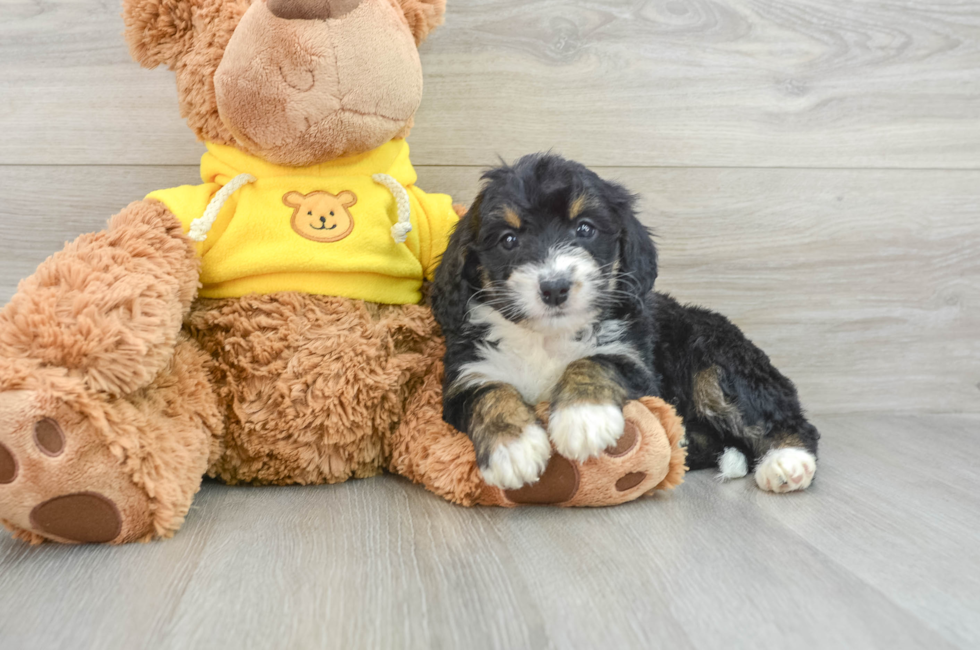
532	361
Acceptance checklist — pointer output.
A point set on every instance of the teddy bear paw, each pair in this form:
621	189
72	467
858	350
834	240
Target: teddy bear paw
629	466
58	480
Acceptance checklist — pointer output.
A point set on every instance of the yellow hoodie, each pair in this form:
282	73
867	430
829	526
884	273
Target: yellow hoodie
325	229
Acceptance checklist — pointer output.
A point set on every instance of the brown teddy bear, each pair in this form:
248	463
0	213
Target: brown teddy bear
265	326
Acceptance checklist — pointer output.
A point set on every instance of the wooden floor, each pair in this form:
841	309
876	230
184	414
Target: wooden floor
882	552
811	168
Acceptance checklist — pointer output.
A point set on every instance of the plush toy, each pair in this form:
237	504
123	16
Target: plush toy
265	326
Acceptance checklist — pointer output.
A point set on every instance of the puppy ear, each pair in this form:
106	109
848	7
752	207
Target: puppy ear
637	253
158	31
423	16
456	281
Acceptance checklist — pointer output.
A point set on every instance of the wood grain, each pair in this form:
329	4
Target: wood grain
810	167
861	285
877	554
800	83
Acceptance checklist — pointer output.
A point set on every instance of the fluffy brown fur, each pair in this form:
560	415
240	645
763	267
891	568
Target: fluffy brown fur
190	38
108	308
151	389
423	16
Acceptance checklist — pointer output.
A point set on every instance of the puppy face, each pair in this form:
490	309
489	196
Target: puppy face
550	245
546	261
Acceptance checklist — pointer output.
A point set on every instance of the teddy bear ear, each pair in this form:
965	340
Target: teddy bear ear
158	31
423	16
293	199
347	199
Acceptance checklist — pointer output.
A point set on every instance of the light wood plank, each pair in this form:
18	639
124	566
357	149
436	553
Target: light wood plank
879	553
861	285
674	83
71	94
358	567
885	495
58	596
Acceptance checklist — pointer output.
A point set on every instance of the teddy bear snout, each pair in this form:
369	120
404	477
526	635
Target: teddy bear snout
312	9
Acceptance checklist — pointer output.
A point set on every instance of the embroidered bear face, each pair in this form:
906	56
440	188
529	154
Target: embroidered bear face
321	216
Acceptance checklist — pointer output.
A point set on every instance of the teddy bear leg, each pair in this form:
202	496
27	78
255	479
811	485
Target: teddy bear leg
81	467
428	451
103	403
648	457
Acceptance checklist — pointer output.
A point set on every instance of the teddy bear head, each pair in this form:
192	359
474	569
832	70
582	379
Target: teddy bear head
295	82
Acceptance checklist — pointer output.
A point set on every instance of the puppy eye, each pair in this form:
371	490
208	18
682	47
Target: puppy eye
509	241
585	230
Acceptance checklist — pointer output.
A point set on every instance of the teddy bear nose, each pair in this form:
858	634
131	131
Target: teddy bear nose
312	9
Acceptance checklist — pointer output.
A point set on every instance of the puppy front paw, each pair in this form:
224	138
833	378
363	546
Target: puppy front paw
519	461
786	470
581	431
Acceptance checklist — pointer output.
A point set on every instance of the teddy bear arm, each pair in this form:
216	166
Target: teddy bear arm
109	306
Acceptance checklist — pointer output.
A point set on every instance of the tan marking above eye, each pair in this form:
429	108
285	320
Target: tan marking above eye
578	206
510	216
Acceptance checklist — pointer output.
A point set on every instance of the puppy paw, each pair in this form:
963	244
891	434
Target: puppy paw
582	431
786	470
520	461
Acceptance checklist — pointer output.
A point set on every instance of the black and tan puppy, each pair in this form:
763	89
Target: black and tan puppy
546	294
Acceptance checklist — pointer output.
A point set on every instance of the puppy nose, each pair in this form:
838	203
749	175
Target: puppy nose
323	220
554	292
312	9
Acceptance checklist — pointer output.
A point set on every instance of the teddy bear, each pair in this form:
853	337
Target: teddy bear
266	326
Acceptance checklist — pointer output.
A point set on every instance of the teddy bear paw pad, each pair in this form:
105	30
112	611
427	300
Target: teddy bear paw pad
86	517
557	484
8	466
626	442
49	437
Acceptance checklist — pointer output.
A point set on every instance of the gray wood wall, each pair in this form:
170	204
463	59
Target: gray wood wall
811	167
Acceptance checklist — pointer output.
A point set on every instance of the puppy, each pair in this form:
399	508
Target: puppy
545	294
